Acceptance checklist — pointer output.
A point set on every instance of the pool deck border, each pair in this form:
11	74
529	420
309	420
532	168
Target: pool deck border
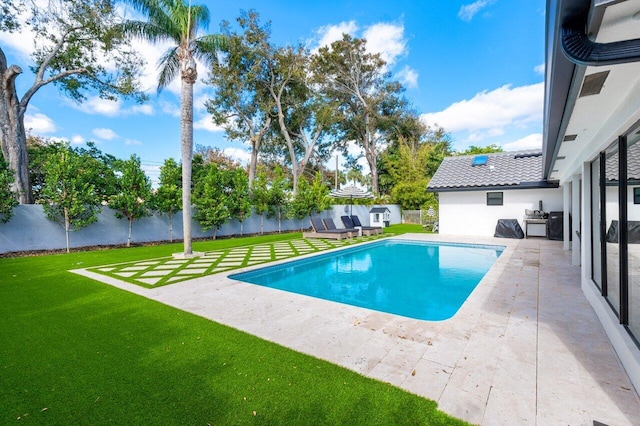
525	348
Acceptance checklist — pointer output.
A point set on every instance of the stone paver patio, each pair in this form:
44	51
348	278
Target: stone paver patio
525	348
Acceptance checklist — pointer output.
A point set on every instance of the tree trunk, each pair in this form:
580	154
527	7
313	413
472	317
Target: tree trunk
262	224
253	162
170	227
13	139
66	226
130	229
189	76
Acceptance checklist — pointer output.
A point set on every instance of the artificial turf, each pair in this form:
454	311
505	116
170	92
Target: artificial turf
76	351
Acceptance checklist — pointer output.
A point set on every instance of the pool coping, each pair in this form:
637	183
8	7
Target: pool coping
524	348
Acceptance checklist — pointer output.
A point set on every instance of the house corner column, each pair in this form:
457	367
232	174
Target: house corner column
566	202
575	220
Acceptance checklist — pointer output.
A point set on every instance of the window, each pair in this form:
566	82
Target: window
376	217
636	195
494	198
480	160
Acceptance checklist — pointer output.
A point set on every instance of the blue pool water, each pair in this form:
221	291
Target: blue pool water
422	280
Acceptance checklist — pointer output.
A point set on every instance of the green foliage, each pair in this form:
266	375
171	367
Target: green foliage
238	195
210	199
279	196
260	193
168	198
474	150
68	193
311	198
413	195
7	197
132	199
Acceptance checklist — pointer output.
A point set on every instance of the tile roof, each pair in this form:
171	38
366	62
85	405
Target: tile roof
633	164
508	169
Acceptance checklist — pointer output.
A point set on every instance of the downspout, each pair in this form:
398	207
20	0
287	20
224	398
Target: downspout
579	49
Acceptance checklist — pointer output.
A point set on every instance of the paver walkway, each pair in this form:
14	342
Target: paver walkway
167	270
525	349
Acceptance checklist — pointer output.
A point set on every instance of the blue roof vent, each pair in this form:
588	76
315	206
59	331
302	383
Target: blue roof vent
480	160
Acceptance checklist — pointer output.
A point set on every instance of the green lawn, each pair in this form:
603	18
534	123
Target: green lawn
76	351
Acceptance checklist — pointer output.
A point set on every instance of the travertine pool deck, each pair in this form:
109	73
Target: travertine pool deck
525	348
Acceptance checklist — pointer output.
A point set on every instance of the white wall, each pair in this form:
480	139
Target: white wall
467	213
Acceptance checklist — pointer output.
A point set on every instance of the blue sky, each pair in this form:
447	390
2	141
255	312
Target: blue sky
474	67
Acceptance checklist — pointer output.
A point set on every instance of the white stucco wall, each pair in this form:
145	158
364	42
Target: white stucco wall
467	213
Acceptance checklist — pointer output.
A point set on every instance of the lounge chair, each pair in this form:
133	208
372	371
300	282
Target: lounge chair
328	223
319	231
348	223
374	229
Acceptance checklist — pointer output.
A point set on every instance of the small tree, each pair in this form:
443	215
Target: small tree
238	195
311	198
210	200
260	196
278	196
168	197
69	191
134	192
7	197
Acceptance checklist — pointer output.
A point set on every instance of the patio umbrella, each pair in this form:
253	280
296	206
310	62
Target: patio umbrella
351	192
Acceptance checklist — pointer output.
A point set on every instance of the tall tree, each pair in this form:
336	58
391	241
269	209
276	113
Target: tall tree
472	150
69	192
132	200
178	22
366	97
168	197
77	48
7	197
240	103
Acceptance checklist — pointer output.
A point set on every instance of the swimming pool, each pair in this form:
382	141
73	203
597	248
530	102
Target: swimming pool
421	280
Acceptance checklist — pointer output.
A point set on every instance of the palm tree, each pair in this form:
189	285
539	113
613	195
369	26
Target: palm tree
178	22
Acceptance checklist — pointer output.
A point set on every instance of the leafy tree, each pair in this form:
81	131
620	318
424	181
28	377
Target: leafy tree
278	196
178	22
168	197
68	193
210	199
216	156
238	195
240	103
259	196
133	193
7	197
77	48
474	150
310	198
367	101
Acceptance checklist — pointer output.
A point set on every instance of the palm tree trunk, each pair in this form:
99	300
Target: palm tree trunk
186	141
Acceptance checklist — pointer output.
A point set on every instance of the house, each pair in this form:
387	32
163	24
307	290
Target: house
591	148
474	192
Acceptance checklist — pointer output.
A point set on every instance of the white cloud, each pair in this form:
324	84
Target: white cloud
105	134
468	11
240	155
539	69
330	33
408	77
206	123
77	140
533	141
39	123
491	113
169	107
132	142
387	40
144	109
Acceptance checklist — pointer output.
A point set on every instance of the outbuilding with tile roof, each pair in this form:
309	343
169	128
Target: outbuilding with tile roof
477	190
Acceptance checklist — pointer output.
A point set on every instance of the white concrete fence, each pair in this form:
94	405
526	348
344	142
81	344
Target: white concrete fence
30	230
